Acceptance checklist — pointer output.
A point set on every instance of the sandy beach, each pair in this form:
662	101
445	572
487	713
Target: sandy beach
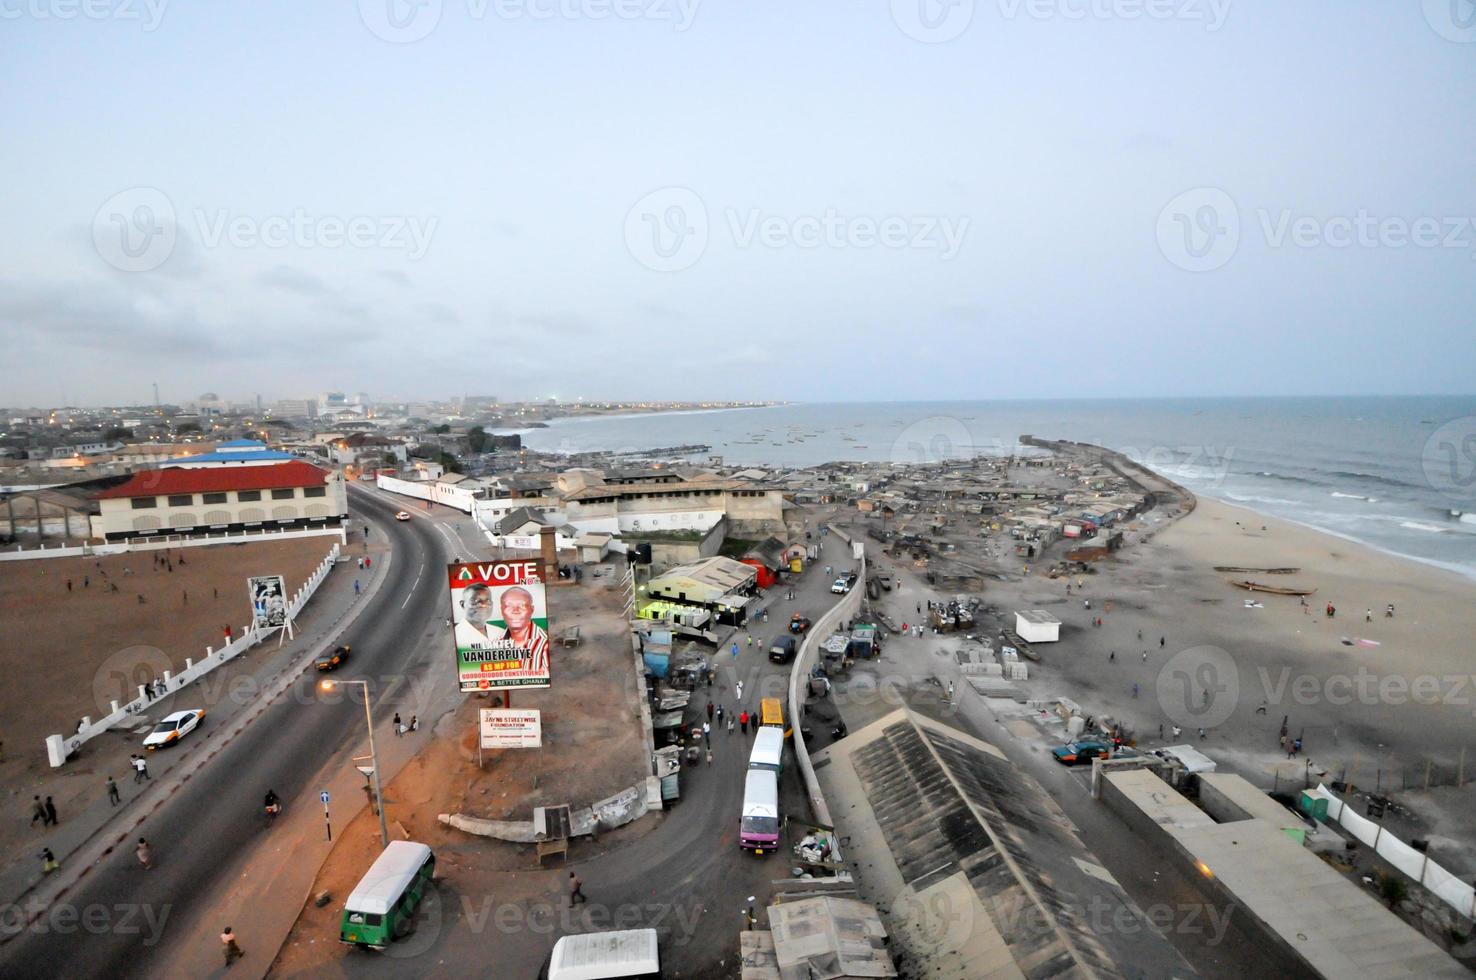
1391	708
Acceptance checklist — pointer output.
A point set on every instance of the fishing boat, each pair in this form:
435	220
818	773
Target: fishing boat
1250	586
1258	571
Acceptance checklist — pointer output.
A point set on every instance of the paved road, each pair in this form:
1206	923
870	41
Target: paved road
203	835
687	878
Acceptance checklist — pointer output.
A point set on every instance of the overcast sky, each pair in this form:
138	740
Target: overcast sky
677	199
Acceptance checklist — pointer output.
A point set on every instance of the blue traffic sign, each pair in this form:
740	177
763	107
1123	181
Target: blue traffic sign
323	796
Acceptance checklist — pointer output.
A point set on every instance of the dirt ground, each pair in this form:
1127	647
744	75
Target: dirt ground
98	644
593	748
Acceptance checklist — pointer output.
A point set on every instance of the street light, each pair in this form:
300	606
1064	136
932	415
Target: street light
373	756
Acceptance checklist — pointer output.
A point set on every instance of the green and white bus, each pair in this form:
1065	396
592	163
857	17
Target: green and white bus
382	905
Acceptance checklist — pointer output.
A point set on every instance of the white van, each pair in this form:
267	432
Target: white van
604	955
768	750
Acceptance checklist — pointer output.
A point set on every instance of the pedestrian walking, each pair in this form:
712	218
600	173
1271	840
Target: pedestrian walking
399	726
1389	611
576	889
743	722
215	593
186	594
720	714
735	651
1160	731
69	585
1140	636
950	691
709	757
356	586
711	710
113	798
1145	656
38	812
1135	690
86	581
730	723
233	951
144	853
415	723
750	639
49	863
1201	734
919	608
1112	657
707	734
51	812
740	690
140	769
1161	641
1368	615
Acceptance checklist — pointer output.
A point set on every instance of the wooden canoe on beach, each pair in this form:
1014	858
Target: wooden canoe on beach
1250	586
1258	571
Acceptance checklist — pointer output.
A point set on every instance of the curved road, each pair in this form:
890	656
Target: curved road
199	832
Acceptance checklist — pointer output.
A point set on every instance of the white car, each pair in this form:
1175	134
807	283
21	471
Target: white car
173	728
842	585
401	516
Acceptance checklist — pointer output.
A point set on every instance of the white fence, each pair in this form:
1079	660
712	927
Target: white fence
59	747
161	542
1454	892
449	494
846	608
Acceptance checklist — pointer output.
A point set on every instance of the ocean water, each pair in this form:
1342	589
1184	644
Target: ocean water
1395	473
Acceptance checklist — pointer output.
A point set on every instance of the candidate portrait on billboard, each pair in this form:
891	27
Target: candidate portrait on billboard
500	619
268	601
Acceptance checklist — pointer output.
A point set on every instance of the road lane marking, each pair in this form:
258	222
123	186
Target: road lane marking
413	585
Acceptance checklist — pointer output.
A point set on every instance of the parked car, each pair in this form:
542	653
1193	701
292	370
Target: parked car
173	728
782	649
1081	753
332	659
798	623
401	515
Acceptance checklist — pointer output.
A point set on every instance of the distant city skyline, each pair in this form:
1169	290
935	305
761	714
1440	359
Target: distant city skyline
688	201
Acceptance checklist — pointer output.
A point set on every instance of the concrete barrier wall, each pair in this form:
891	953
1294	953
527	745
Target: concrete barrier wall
846	608
164	542
59	748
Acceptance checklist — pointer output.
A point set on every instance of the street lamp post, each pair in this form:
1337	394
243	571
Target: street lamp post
373	755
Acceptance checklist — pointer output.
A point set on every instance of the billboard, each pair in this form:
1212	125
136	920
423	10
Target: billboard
512	728
500	617
268	601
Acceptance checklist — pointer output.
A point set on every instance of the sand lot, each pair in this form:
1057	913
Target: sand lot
96	643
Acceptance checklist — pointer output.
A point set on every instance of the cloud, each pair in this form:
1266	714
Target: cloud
561	324
295	280
395	276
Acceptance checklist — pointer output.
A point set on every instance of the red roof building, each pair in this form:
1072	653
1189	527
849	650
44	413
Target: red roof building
181	480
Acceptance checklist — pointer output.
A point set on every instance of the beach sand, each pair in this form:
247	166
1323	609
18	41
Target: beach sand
1384	715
